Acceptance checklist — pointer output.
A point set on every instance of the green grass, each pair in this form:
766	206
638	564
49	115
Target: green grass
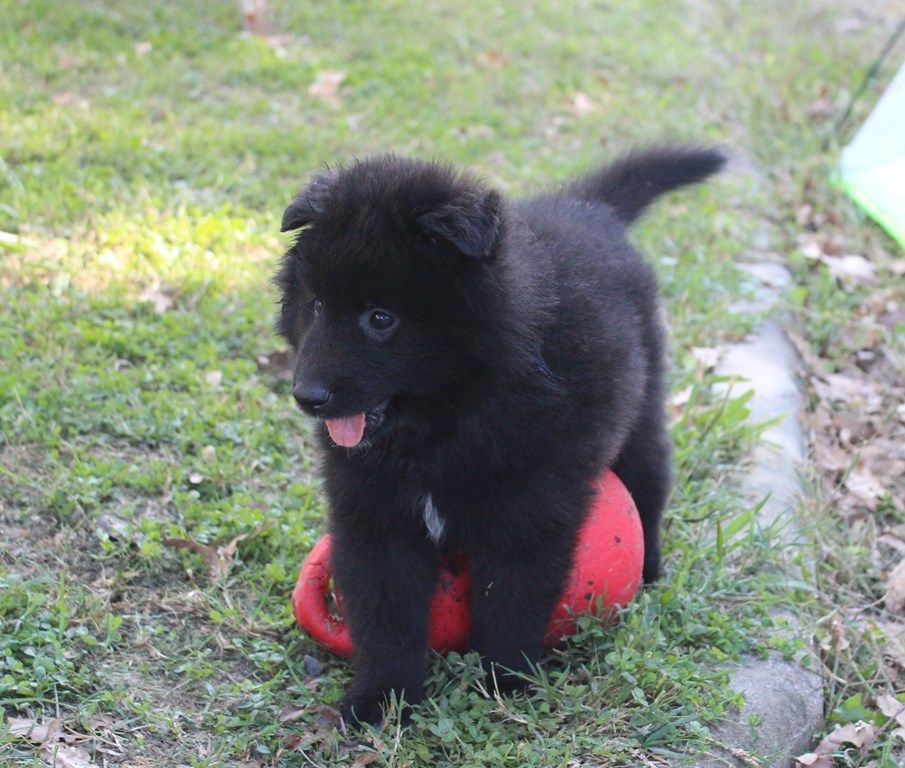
126	176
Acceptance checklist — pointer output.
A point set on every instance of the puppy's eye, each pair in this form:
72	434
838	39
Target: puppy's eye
381	321
378	324
316	306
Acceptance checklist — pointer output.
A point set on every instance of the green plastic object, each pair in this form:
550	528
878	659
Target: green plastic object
872	167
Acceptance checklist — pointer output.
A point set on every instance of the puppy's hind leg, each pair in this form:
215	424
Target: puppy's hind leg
645	467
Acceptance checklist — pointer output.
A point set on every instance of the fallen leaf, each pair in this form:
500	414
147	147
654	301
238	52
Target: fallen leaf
292	742
581	104
837	635
493	59
255	16
162	297
366	758
326	86
895	588
838	387
290	713
813	760
831	458
859	735
115	527
865	485
219	557
67	757
330	714
811	249
891	707
850	269
31	729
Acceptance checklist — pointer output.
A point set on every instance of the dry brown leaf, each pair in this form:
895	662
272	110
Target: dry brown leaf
831	458
895	588
366	758
67	757
893	538
859	735
581	104
330	714
850	268
31	729
837	635
255	16
493	59
162	298
290	713
219	557
326	86
837	387
863	484
813	760
891	707
292	742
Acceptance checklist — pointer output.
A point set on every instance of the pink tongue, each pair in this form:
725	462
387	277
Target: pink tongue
347	432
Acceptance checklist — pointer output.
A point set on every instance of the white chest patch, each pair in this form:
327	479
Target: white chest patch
432	520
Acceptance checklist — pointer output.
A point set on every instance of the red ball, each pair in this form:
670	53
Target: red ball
606	573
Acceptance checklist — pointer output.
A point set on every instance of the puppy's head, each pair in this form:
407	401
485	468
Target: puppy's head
384	291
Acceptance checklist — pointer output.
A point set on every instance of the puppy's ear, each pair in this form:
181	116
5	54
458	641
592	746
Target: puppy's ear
309	202
471	221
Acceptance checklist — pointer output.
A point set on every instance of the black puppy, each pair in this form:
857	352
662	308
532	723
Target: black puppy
475	363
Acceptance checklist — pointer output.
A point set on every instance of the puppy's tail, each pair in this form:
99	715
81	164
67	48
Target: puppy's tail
629	185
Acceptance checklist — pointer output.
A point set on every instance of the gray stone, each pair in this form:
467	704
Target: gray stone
766	364
785	699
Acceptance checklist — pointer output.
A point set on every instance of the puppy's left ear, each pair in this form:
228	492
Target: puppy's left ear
309	202
471	221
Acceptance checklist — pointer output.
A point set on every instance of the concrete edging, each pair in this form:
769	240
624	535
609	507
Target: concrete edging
785	698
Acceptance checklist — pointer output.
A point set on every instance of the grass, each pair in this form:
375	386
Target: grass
132	175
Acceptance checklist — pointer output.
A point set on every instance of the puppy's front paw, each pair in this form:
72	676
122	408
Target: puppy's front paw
362	708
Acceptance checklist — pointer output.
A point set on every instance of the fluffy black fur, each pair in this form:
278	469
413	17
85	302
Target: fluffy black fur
527	355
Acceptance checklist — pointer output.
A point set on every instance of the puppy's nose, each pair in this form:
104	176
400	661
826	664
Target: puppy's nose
311	396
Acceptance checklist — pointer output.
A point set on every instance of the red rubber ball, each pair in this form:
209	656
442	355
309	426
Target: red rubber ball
605	575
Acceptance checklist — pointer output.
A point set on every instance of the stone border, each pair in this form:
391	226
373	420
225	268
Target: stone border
786	698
